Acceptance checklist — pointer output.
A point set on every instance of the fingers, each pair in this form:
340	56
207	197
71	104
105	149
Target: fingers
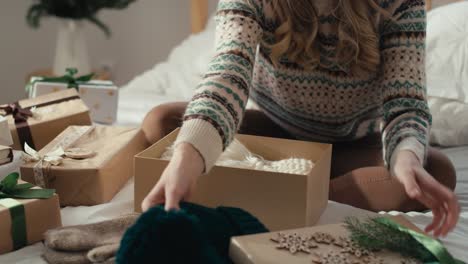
435	225
447	200
172	199
155	197
411	186
438	212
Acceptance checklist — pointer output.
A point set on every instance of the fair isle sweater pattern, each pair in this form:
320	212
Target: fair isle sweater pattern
325	104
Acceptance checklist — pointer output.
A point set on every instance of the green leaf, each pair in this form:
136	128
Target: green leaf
34	15
8	184
100	25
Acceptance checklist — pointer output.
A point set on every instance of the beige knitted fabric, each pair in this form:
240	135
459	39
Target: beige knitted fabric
92	243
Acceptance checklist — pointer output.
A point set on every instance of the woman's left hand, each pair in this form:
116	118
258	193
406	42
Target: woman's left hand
420	185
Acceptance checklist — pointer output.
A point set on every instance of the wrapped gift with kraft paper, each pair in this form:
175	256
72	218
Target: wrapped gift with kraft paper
39	120
280	200
86	165
100	96
26	213
6	155
335	244
5	134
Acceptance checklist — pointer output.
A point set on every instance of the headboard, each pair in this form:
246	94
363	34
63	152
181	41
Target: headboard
199	11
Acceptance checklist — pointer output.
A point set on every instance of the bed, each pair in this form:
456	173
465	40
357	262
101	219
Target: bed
174	80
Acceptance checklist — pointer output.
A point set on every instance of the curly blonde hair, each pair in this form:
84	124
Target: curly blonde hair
358	39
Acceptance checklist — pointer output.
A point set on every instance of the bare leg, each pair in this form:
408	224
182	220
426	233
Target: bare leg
162	120
361	180
165	118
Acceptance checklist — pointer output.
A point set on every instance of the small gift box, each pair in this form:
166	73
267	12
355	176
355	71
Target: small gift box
87	165
39	120
26	213
336	243
298	199
5	134
6	155
100	96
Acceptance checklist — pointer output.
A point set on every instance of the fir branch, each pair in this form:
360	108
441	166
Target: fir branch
374	236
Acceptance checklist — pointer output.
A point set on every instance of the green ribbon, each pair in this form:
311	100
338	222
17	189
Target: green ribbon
11	190
18	222
69	79
432	245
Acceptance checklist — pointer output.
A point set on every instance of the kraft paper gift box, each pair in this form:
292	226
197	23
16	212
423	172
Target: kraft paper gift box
24	221
39	120
6	155
279	200
5	134
100	96
100	163
260	249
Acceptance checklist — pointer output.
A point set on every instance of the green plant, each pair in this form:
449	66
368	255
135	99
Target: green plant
73	9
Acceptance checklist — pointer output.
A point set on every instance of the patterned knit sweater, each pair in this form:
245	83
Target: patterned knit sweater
325	104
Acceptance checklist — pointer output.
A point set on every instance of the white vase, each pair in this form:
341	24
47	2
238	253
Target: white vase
71	50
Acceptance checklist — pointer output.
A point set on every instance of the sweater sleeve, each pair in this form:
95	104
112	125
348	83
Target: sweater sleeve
215	112
406	120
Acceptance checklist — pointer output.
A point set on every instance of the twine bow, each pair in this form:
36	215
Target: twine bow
69	79
53	158
19	114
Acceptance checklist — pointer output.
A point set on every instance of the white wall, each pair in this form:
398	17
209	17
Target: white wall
143	35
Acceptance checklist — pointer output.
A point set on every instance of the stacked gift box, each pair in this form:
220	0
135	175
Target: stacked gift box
66	159
101	96
26	213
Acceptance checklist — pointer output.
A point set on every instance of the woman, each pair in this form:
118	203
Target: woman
346	72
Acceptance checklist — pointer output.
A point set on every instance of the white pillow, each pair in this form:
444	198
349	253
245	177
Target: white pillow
447	52
447	73
450	122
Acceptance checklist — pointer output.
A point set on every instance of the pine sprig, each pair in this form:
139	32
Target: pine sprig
375	236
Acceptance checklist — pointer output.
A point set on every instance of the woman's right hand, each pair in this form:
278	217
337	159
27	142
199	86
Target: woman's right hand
178	179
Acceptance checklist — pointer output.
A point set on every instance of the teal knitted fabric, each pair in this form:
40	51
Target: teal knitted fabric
195	234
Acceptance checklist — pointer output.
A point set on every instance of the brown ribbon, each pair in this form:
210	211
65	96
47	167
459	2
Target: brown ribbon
18	113
10	155
21	115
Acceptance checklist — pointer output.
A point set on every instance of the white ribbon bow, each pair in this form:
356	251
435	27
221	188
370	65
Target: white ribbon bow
54	157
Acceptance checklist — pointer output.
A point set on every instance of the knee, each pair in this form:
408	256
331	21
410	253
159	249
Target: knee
161	120
441	168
